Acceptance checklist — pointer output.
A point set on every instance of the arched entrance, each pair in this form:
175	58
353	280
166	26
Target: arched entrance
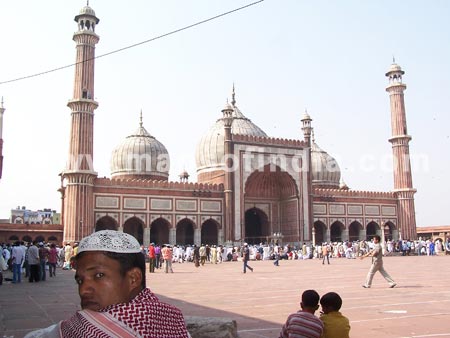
40	239
13	238
185	232
134	227
336	231
319	229
277	191
353	231
389	228
106	223
27	239
256	226
159	231
372	230
209	232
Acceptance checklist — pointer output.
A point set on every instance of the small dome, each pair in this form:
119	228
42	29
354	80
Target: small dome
140	156
325	169
86	10
395	68
306	116
210	150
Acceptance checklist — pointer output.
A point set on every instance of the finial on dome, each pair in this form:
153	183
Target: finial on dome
393	58
1	103
87	3
233	97
140	120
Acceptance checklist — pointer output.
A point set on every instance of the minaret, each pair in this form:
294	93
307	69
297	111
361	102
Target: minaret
400	148
227	112
307	218
79	174
2	111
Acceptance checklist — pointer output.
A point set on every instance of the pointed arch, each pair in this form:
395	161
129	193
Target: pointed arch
159	231
389	229
270	182
336	231
256	226
27	239
185	232
372	229
106	223
209	234
319	229
354	231
134	227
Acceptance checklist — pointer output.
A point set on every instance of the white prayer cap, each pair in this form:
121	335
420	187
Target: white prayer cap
111	241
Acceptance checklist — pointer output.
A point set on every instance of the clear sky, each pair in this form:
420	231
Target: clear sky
283	56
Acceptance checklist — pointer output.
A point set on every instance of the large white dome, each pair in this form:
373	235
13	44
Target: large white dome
140	156
210	150
325	169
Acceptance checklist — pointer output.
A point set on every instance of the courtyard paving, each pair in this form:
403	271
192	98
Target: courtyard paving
260	301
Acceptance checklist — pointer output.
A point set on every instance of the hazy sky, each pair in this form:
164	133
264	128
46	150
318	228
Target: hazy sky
283	56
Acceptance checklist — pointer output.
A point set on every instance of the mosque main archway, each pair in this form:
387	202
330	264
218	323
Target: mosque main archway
256	226
274	195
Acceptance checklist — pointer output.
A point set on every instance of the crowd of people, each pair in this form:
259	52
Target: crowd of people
110	271
35	260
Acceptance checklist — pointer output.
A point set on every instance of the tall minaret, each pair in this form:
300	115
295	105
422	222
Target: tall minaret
229	176
307	217
79	174
2	110
400	148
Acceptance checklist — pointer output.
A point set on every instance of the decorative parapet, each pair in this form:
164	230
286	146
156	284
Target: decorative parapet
269	141
353	193
158	184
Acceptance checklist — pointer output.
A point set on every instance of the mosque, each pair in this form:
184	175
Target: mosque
251	187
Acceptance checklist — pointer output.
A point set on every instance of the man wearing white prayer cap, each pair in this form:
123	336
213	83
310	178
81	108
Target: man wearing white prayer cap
110	273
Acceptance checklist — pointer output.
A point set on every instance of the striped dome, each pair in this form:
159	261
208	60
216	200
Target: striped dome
140	156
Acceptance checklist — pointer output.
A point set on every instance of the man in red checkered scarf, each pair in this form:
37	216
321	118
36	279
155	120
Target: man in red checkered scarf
110	273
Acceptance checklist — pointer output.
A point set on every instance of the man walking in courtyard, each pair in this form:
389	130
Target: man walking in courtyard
377	264
246	258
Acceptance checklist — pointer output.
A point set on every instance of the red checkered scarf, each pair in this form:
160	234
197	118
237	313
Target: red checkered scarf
145	316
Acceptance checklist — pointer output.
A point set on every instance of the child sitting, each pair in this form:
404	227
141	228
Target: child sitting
335	325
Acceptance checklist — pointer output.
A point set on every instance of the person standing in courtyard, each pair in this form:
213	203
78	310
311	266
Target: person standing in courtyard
110	273
246	257
151	257
166	252
34	263
304	323
52	260
335	325
377	264
18	257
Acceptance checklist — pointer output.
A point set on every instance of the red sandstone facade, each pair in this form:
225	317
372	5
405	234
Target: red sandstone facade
251	188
